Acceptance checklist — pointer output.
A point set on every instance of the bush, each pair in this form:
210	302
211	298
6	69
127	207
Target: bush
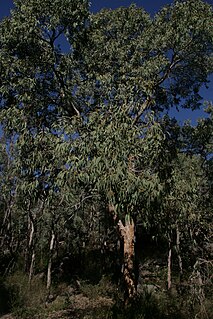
25	300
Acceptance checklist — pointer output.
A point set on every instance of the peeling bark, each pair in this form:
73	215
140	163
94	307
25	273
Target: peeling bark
128	235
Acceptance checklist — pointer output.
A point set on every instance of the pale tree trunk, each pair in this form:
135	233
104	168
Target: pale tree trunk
127	232
32	266
31	250
32	241
169	265
30	233
30	253
49	269
178	251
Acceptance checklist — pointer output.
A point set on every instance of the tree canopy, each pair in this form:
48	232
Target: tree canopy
87	132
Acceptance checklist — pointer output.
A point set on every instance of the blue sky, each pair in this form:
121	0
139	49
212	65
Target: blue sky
151	6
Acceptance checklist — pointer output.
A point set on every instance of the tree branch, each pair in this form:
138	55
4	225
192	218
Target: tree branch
144	106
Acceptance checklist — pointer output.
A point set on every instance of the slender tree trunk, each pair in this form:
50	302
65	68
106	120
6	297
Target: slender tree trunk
32	238
169	273
49	269
30	231
31	272
178	251
128	235
30	253
31	250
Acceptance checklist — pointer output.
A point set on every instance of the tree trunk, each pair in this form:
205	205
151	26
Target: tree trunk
49	269
128	235
32	239
31	272
178	251
30	251
169	274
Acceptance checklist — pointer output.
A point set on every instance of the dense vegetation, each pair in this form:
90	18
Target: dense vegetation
105	197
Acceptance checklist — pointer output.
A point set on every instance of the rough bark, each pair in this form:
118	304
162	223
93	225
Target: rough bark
127	233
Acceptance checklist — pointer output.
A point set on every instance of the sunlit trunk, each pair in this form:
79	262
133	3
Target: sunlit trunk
127	232
49	269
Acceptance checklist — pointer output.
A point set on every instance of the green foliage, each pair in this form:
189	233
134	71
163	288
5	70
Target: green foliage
84	129
132	59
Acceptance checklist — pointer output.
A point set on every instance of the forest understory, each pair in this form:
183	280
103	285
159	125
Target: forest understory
96	290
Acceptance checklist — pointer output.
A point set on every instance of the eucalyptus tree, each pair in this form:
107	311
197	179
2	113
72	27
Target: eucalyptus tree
36	77
138	67
37	86
145	63
123	70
